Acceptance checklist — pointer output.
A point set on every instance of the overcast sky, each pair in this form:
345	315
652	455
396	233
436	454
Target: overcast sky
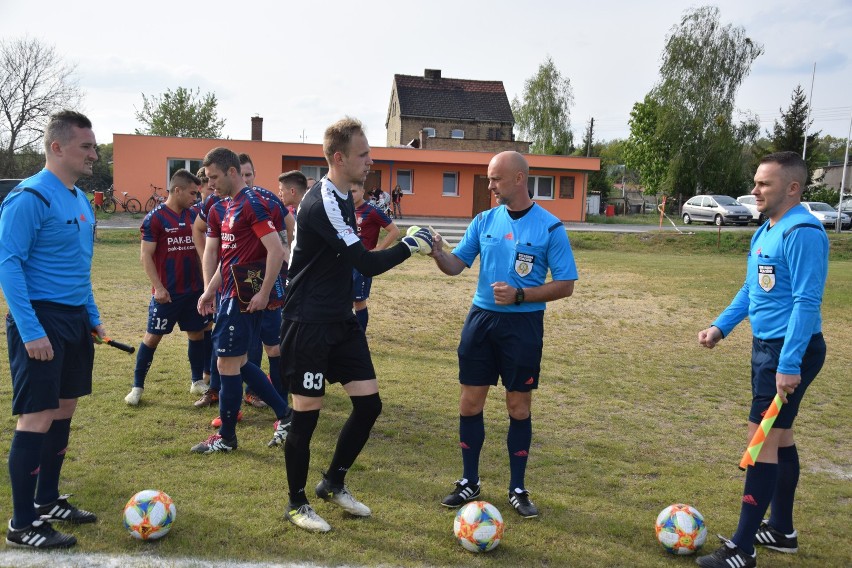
303	65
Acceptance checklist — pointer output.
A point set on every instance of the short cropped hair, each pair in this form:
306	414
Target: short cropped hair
338	135
792	163
295	179
182	178
60	124
222	158
246	159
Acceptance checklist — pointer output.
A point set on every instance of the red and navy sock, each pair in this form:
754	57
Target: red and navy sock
471	440
760	482
52	458
518	442
781	518
24	460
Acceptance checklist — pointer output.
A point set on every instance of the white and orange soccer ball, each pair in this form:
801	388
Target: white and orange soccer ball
149	515
680	529
478	526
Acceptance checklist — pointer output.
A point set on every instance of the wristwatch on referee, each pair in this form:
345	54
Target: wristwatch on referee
519	296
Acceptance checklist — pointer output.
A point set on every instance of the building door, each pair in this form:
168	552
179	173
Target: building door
374	180
481	195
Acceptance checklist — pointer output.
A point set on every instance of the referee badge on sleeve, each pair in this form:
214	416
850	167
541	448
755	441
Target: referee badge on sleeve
766	276
524	263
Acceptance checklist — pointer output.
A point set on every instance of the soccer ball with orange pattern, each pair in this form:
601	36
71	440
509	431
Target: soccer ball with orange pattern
149	515
478	526
680	529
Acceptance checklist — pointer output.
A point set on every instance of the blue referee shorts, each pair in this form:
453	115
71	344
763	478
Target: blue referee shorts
764	364
39	385
504	344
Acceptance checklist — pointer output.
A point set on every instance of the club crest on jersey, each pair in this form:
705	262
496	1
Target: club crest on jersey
766	277
524	263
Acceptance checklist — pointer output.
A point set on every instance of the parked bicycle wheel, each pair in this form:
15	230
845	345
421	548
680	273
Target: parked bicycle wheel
133	205
150	204
109	204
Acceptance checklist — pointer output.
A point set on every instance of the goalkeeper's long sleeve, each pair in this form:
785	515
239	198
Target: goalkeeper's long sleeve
373	263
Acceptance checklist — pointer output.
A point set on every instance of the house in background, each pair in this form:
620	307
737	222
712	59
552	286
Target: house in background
436	183
436	113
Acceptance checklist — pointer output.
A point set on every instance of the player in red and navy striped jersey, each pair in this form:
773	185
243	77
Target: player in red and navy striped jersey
171	264
370	220
245	234
270	329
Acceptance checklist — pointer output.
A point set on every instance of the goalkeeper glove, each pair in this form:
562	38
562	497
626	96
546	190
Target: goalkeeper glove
419	241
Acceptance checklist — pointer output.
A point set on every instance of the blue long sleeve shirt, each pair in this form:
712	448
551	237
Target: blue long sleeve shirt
46	246
784	285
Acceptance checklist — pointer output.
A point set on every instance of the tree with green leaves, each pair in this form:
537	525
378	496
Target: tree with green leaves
788	134
183	113
35	82
543	115
683	136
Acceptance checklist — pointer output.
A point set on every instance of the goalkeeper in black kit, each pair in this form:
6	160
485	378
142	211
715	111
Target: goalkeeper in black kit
321	339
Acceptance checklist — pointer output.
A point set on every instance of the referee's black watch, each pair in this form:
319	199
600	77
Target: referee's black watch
519	296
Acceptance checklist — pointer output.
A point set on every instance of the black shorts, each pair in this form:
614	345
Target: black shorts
318	353
39	385
504	344
764	365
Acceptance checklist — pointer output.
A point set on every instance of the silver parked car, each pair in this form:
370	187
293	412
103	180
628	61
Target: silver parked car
827	214
749	203
718	209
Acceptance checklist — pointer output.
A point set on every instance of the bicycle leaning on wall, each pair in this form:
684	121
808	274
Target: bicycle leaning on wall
155	198
129	204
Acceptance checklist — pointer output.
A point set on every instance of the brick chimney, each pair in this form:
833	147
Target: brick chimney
257	128
423	138
432	74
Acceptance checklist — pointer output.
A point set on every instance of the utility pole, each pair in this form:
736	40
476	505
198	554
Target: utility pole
810	104
838	224
591	135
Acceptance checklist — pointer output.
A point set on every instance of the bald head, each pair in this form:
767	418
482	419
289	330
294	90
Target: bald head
507	180
512	161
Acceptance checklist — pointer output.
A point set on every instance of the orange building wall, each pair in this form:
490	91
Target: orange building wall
139	161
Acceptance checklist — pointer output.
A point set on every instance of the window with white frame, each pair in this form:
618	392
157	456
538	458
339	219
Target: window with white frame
457	133
176	164
405	179
316	172
429	131
541	187
451	184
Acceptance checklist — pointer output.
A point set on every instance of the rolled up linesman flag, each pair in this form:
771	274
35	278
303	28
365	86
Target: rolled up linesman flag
754	447
113	343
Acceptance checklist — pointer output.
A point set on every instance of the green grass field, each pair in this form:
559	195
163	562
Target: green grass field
631	416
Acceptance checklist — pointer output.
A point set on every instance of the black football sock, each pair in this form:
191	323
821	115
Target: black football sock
781	518
24	459
471	440
760	482
297	454
354	435
518	442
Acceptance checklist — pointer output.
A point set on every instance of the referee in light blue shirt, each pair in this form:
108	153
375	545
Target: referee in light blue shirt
781	296
517	243
46	243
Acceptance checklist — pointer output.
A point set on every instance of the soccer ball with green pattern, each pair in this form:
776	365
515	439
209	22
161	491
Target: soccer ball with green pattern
478	526
149	515
680	529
